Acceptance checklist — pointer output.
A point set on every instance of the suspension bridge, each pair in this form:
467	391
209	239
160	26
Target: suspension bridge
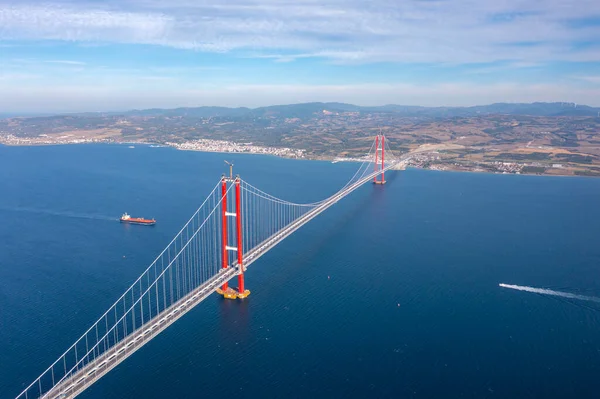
235	225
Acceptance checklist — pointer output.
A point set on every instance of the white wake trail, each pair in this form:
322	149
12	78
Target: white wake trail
545	291
57	213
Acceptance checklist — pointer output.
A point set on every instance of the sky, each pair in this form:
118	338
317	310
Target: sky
92	55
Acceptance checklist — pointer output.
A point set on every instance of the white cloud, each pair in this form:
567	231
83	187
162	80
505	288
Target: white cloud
66	62
18	77
58	22
459	31
589	79
520	34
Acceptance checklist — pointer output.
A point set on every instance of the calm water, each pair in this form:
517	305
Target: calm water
393	292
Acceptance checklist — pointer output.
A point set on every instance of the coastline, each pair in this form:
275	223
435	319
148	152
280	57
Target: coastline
325	158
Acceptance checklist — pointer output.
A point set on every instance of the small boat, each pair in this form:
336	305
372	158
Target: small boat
128	219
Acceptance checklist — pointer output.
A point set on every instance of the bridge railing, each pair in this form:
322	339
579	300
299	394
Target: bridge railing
191	258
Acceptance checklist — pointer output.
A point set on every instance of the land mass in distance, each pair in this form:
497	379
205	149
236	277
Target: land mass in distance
537	138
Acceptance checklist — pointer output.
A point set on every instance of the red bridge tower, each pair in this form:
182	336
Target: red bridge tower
225	290
379	165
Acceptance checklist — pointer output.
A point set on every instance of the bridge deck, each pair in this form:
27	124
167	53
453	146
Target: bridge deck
89	373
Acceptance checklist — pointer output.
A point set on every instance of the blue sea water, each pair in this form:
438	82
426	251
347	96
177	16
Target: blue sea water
392	292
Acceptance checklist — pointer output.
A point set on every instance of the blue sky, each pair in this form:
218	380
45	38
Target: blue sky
91	55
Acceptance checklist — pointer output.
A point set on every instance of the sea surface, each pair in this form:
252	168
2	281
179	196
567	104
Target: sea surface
393	292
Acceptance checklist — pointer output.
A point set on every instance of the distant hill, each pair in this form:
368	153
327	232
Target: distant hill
5	115
537	109
532	109
308	110
548	138
200	112
305	110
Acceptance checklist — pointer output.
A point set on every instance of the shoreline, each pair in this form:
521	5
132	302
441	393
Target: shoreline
163	145
324	158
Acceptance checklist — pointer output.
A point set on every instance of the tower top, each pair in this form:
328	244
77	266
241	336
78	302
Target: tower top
230	169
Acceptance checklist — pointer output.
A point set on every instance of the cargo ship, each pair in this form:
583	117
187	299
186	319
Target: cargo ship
128	219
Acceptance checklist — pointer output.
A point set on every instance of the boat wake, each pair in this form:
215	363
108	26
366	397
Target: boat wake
545	291
57	213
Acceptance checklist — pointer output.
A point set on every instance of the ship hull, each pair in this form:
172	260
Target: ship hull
143	223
